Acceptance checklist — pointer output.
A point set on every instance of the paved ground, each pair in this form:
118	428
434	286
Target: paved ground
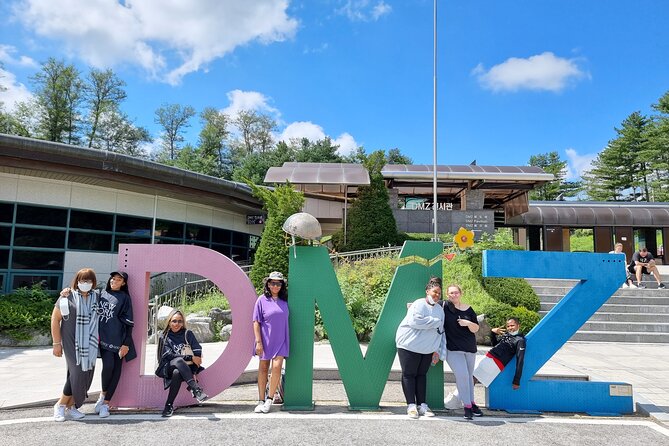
31	379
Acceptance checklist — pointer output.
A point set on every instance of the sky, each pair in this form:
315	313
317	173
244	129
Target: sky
515	78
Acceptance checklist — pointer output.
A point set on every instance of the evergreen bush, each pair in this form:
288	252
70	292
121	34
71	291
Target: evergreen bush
25	311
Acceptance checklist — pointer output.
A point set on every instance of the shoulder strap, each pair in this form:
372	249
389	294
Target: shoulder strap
186	338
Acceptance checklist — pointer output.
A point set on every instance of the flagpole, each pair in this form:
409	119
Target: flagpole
434	129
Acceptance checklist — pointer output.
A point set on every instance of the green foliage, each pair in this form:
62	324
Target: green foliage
425	236
364	285
551	163
26	310
581	240
204	302
370	221
272	254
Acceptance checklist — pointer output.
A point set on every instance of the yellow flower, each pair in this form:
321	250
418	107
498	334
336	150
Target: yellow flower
464	238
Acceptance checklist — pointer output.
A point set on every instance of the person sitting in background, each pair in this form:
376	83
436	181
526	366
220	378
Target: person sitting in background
618	249
510	344
176	364
644	263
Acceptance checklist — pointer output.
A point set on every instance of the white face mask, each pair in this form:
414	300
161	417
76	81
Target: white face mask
84	286
514	333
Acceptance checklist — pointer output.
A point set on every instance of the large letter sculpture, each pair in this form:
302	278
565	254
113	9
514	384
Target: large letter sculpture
312	280
600	276
138	390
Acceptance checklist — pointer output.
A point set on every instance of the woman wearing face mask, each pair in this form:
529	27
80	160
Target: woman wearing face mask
74	329
115	329
417	339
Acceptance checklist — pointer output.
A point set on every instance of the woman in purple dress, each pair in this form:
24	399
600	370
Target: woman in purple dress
270	326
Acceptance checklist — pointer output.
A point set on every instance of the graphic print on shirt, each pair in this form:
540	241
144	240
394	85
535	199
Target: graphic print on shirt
106	310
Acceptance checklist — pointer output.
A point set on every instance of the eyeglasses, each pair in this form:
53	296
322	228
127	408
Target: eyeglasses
275	283
177	321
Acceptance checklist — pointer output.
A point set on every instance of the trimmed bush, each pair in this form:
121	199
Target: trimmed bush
24	311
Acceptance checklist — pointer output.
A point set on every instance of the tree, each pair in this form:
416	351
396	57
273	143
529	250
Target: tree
551	163
656	151
272	254
370	222
321	151
174	119
103	92
58	94
253	167
213	138
619	169
117	133
255	130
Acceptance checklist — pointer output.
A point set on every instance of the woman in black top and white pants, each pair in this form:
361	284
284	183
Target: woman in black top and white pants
460	324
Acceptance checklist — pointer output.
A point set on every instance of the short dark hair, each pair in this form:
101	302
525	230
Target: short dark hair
644	249
515	319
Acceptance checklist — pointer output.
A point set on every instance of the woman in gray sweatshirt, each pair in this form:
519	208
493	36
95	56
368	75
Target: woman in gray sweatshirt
417	339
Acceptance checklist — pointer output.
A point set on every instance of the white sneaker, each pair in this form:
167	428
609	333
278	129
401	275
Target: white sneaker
412	412
625	285
104	410
99	402
267	405
632	285
74	414
58	412
259	407
452	401
425	411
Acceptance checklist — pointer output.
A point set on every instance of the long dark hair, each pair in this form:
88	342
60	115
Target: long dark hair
124	287
283	292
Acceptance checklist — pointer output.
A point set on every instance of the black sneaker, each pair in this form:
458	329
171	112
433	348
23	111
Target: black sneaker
476	411
199	395
167	411
468	413
661	286
641	286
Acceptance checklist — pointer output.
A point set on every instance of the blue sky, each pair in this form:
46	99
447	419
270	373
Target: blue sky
515	77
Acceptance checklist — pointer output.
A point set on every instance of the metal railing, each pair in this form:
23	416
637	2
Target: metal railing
353	256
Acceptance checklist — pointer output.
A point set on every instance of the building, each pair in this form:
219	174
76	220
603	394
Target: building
64	207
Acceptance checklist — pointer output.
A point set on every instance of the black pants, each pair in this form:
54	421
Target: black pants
179	372
111	372
414	375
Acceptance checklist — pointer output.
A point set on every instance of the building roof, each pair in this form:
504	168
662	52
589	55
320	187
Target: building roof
501	184
589	213
46	159
320	178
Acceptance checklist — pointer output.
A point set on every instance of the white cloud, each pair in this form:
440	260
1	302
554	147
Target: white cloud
314	132
6	56
541	72
364	10
249	101
167	38
15	91
578	164
302	129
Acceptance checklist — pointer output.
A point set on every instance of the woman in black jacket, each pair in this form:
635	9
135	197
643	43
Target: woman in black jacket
176	362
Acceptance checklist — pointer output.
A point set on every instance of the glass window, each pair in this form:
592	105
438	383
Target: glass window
4	260
91	220
6	213
89	242
37	237
165	228
5	235
129	239
133	225
41	216
197	233
37	260
28	280
2	282
240	239
221	235
239	254
223	249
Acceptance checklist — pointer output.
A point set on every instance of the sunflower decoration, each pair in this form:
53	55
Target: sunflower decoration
464	238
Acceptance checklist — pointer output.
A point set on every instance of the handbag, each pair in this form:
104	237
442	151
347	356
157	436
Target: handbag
186	350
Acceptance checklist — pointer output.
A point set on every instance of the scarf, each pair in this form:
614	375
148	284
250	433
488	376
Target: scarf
86	330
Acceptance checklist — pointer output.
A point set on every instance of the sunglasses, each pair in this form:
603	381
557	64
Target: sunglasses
275	283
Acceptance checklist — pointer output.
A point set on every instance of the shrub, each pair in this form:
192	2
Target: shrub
26	310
